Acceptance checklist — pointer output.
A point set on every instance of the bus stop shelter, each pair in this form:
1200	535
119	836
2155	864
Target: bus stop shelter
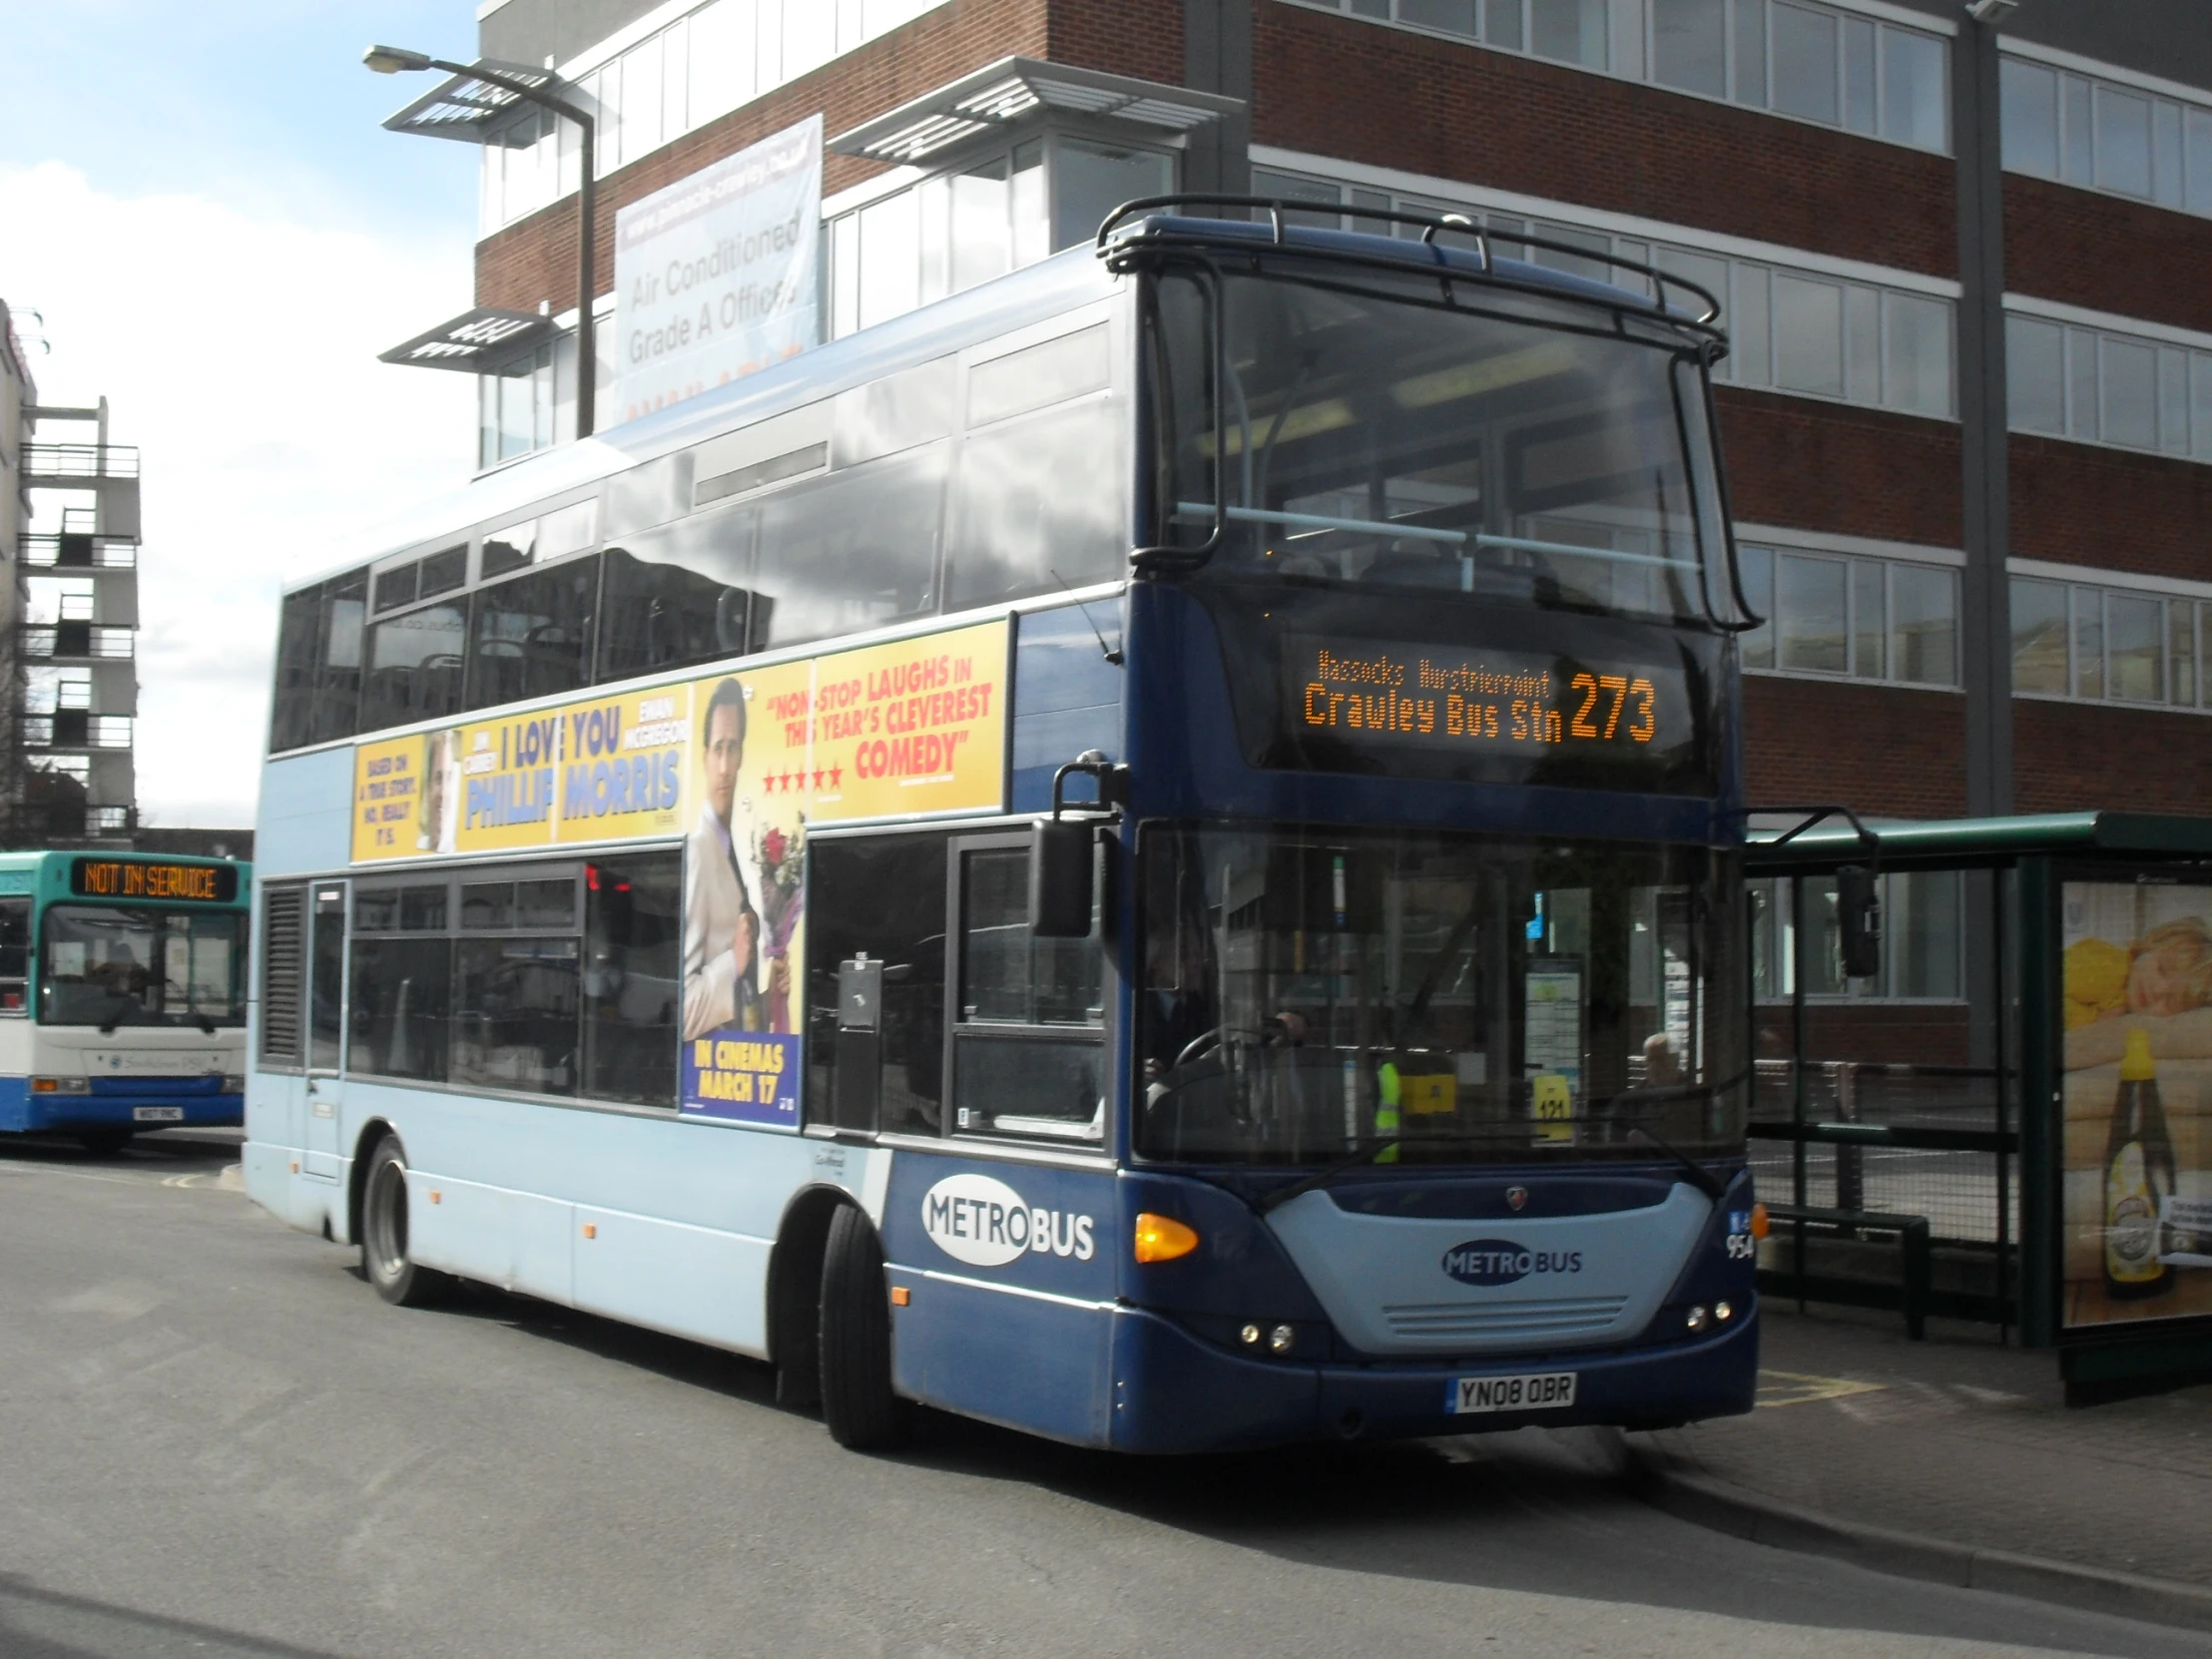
2055	1178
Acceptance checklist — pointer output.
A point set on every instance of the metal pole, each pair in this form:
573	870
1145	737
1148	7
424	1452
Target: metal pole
587	228
1797	1073
587	259
2002	1049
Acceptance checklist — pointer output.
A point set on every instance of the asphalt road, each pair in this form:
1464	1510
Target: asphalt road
216	1441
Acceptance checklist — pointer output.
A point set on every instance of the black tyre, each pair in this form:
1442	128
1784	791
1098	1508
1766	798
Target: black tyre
104	1143
398	1278
858	1403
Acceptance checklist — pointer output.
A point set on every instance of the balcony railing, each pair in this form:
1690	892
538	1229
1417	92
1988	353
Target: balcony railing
76	640
81	461
76	731
77	550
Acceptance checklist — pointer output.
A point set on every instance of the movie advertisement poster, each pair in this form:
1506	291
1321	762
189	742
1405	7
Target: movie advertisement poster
900	730
741	767
2136	977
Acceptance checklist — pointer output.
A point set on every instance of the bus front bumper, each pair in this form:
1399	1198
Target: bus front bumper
1175	1393
117	1105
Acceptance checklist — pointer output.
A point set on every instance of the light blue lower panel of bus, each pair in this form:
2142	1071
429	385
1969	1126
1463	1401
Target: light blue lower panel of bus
648	1218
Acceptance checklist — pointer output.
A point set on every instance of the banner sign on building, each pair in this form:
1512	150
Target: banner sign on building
743	764
715	277
2136	980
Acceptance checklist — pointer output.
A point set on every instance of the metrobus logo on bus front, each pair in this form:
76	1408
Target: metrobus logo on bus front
986	1224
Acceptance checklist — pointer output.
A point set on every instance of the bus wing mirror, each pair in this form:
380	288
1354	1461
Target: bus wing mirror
1060	875
1062	859
1858	920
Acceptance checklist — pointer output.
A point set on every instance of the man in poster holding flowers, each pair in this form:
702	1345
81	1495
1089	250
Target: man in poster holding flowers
722	930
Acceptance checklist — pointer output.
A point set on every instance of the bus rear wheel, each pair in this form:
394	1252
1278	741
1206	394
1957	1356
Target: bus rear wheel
104	1143
858	1403
398	1278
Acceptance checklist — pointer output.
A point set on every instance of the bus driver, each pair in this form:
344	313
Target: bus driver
722	930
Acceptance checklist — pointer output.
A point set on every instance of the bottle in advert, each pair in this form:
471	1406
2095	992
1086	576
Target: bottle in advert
2138	1179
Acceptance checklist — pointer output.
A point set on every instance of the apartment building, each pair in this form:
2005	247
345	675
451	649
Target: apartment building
69	519
1968	409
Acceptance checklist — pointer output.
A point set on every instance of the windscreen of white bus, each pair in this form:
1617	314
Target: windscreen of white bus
114	967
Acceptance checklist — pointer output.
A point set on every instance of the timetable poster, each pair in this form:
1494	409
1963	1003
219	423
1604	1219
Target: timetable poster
2136	991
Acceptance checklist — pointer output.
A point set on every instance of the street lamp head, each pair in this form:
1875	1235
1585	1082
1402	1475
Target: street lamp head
390	59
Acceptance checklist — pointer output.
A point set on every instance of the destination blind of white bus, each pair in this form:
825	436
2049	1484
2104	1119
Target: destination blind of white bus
1491	697
119	878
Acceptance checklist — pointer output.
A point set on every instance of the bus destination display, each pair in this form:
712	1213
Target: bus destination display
1363	693
134	878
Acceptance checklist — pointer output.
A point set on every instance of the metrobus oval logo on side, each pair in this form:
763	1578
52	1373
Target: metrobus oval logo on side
1502	1262
986	1224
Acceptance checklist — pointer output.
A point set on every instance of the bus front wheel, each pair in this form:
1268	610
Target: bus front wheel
398	1278
858	1403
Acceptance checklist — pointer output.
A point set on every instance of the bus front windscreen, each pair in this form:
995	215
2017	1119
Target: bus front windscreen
1446	998
114	967
1507	446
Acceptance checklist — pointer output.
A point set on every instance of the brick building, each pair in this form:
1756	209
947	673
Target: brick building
1968	407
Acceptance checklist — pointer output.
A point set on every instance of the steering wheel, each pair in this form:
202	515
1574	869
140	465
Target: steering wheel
1199	1044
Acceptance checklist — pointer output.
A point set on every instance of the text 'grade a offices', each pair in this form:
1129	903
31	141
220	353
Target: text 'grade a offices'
1500	698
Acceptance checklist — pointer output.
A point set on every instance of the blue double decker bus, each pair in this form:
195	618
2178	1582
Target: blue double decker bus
122	994
1148	852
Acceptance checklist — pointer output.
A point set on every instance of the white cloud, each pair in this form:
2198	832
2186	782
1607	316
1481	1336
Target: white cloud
239	354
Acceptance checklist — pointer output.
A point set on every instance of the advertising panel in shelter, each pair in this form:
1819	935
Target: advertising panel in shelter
2138	1094
741	765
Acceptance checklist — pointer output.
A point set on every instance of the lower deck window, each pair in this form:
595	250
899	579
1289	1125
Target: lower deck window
514	992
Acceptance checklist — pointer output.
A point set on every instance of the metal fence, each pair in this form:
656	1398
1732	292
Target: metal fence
1938	1141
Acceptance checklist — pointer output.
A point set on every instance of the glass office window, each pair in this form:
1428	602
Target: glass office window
1836	616
2122	645
2039	651
1808	335
1915	90
1804	62
1689	45
1811	600
2102	387
1839	68
1883	346
2104	136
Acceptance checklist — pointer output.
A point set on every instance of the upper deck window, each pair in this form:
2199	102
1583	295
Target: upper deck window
1397	444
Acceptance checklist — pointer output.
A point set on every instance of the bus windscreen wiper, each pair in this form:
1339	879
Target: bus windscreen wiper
1703	1178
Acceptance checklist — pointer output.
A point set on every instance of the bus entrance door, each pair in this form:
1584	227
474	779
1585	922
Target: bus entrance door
325	1029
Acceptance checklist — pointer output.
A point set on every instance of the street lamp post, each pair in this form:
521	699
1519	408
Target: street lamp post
390	59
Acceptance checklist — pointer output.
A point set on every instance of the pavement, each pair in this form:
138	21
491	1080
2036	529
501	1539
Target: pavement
215	1439
1954	1460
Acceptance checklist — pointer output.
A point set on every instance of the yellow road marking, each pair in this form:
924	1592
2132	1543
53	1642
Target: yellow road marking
1791	1387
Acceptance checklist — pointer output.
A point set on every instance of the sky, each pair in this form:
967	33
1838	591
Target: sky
219	237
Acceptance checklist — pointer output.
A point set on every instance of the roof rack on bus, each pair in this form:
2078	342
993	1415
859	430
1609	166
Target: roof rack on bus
1431	223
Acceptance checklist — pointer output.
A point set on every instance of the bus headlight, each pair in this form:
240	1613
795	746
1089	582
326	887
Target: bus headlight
61	1085
1697	1318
